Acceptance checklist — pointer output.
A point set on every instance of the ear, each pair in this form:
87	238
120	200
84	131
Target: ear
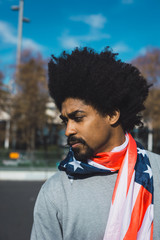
114	117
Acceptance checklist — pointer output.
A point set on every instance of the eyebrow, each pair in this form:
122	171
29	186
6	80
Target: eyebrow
71	115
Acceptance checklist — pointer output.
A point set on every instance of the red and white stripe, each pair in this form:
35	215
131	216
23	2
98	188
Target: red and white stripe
131	212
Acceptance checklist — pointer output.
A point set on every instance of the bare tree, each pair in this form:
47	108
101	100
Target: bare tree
4	92
149	65
5	103
30	98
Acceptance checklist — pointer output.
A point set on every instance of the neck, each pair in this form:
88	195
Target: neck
117	138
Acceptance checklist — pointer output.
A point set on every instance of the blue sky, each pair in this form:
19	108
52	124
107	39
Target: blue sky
127	26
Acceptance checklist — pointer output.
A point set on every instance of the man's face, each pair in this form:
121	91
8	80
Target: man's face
87	130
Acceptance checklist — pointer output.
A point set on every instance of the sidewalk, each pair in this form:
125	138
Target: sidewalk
26	174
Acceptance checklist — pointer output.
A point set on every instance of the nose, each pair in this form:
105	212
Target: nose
70	129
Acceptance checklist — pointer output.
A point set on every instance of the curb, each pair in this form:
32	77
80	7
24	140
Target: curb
25	175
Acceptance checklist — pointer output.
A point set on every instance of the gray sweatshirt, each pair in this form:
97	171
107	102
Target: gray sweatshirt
79	210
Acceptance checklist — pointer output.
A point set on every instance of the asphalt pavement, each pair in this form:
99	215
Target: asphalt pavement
17	199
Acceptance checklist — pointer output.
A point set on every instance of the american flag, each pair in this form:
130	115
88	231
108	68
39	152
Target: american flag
131	211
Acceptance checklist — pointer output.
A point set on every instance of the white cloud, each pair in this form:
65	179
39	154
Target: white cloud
94	35
93	20
69	42
8	36
142	51
30	44
96	23
7	33
121	48
127	1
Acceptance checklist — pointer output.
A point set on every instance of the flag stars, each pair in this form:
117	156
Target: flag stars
65	165
141	151
75	164
149	171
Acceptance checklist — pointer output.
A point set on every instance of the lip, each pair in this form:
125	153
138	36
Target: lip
74	145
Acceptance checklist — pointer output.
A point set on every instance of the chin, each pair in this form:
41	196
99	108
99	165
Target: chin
83	156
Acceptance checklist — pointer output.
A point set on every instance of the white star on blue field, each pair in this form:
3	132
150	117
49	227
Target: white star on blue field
75	164
149	171
129	27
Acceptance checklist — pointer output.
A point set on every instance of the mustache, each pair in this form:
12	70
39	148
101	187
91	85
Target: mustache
72	140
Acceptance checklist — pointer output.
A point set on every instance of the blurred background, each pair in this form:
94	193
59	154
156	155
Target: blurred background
32	141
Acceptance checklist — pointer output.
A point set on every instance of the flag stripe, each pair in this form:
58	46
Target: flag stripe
131	211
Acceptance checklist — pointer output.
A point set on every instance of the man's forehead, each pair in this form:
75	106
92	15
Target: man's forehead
73	105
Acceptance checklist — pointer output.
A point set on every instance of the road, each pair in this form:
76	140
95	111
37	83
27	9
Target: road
17	199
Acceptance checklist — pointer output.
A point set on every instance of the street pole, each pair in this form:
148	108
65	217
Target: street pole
7	133
21	19
20	24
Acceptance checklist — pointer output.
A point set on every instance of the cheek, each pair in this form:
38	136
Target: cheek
99	126
97	131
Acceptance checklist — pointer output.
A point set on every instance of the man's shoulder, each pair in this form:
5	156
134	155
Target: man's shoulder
55	187
155	165
154	159
153	155
55	181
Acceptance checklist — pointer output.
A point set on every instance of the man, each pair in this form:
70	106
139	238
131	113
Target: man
104	189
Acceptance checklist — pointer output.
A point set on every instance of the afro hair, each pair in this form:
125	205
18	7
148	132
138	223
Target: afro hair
102	81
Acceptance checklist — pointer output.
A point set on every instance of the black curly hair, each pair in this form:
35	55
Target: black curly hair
102	81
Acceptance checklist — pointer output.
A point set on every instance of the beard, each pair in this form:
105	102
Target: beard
83	157
80	156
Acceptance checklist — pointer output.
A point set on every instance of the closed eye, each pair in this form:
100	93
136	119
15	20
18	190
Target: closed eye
78	119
